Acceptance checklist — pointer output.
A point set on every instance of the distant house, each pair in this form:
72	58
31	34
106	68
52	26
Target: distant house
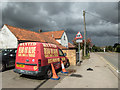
59	36
12	36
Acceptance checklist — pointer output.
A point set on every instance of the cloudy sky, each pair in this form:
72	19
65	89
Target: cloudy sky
101	18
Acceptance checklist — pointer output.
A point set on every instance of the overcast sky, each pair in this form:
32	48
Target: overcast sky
101	18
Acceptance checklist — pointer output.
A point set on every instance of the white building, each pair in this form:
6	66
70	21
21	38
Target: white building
7	38
59	36
11	36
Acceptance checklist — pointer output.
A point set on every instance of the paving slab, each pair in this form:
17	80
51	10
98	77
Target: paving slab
100	77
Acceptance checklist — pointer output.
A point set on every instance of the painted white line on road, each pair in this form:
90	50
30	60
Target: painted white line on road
113	67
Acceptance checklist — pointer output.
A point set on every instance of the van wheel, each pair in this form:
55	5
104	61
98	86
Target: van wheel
48	74
2	67
67	64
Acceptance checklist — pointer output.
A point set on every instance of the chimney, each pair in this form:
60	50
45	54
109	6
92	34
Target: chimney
39	30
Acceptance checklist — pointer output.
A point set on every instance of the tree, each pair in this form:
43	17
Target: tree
88	45
96	49
110	48
116	47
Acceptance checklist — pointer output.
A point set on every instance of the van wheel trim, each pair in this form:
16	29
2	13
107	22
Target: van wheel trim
67	64
49	73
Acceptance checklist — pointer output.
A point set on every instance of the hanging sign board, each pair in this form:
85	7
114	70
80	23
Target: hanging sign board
78	40
78	36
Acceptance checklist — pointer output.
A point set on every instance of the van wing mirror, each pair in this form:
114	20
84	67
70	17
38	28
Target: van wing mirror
65	54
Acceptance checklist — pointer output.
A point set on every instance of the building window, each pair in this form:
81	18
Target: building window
64	38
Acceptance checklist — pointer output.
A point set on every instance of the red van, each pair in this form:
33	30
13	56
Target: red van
35	58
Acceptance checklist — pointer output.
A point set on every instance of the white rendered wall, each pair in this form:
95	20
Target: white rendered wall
7	38
59	40
64	42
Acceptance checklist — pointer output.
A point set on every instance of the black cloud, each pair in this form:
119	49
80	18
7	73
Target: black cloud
64	15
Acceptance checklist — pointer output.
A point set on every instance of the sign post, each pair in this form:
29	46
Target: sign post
78	40
79	52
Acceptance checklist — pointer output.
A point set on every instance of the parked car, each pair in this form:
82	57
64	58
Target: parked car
35	58
7	58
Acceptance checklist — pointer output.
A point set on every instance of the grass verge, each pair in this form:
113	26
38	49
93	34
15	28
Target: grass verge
86	57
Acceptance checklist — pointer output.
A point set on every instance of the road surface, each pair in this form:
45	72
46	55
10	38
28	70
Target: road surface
111	57
14	80
10	79
100	77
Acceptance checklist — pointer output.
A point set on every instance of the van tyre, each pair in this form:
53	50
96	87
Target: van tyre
67	64
2	67
48	74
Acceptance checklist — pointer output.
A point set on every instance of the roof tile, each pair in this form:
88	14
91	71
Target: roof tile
70	45
56	34
27	35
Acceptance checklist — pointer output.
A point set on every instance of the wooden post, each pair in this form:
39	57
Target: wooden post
84	34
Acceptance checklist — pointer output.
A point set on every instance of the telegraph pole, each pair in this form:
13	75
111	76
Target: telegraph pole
84	34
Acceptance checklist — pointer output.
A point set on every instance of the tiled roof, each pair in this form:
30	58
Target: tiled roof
27	35
70	45
55	34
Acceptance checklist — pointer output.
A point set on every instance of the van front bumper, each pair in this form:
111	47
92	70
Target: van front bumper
33	73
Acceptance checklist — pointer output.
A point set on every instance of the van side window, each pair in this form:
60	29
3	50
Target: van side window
60	53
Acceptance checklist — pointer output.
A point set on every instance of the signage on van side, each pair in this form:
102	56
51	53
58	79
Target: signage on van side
51	60
28	44
49	45
27	51
50	52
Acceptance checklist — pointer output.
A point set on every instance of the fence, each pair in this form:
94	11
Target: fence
77	57
71	55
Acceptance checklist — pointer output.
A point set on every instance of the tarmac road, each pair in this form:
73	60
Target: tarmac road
111	57
10	79
14	80
100	77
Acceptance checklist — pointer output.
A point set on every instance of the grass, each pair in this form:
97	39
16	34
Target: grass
86	57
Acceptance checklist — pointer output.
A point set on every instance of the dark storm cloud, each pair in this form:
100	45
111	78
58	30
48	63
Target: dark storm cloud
57	8
0	14
28	15
104	41
51	16
107	11
103	34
